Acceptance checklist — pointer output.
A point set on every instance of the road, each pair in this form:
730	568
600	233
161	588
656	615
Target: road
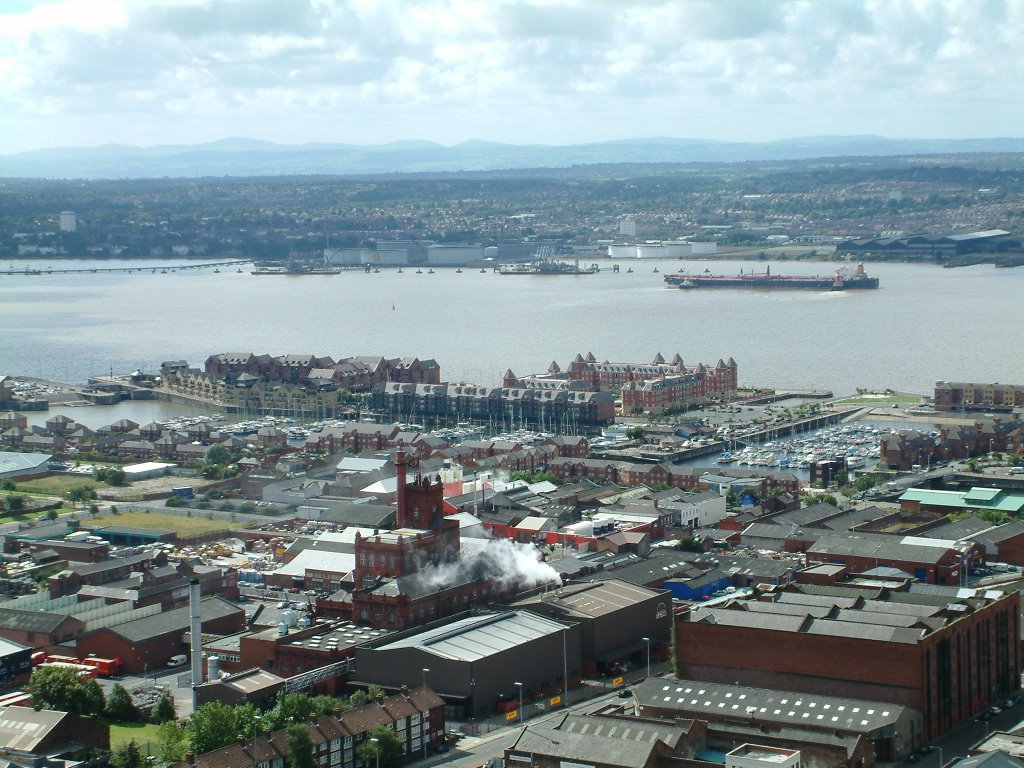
957	743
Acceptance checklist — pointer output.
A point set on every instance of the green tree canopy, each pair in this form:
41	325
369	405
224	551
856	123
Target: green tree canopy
289	708
299	745
165	709
120	705
217	454
171	742
62	688
216	725
382	743
81	493
127	755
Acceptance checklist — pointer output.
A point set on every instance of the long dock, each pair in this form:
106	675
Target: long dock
161	268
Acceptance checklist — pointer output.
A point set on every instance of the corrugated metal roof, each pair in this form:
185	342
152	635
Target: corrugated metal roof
479	637
761	705
23	728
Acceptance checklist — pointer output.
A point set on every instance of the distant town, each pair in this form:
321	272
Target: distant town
363	562
906	208
358	560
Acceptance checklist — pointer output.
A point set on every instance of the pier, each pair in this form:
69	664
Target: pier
161	268
793	427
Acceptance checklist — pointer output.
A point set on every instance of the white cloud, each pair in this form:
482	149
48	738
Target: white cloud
86	72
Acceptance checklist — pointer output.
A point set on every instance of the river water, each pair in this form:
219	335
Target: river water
925	323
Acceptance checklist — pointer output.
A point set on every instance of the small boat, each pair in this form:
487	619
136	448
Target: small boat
399	270
216	271
419	271
458	271
655	270
239	271
430	271
482	270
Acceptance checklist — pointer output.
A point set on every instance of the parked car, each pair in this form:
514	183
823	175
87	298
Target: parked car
995	710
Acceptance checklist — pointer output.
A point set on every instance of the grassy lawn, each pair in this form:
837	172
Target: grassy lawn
143	733
879	399
185	526
57	485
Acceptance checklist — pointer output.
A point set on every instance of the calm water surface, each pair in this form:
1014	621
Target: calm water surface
925	323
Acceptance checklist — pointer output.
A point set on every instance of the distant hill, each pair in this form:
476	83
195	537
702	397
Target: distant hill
251	157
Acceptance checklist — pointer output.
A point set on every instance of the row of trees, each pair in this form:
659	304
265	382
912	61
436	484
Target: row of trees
212	725
63	689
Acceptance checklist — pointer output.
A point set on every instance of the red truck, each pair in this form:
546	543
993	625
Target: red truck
104	667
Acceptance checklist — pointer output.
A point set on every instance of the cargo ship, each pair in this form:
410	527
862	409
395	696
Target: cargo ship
841	281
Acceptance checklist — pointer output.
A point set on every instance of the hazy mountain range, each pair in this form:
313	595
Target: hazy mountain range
250	157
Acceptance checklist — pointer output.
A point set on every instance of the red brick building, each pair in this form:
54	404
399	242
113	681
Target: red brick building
148	643
417	717
950	656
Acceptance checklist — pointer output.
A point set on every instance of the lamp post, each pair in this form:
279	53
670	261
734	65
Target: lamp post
424	734
376	750
648	641
520	687
940	758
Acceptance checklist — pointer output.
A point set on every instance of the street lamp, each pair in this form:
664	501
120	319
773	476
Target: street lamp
648	641
376	750
520	686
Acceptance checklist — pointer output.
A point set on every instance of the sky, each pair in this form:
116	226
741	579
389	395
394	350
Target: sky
148	72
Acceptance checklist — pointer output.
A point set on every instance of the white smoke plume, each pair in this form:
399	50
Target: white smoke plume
511	565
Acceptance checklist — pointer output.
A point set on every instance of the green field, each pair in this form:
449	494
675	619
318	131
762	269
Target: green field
143	733
185	526
57	485
879	399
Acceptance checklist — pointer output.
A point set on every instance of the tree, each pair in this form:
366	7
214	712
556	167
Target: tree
217	454
165	710
63	689
120	705
635	433
372	693
387	747
127	755
289	708
15	504
216	725
81	493
171	742
299	745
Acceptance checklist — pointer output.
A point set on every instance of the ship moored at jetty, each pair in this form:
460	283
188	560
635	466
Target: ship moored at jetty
546	267
840	281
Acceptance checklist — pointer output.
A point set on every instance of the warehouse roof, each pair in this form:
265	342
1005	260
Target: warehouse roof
585	745
996	499
590	600
176	620
24	729
719	701
479	637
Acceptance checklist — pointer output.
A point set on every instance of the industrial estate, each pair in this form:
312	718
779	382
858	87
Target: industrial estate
604	563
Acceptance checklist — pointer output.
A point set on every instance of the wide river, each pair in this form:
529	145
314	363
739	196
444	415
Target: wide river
924	323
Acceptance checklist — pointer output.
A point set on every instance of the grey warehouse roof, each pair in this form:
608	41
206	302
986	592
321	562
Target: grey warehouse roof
714	701
478	637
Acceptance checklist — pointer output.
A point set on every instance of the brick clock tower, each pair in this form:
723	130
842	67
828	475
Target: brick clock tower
422	536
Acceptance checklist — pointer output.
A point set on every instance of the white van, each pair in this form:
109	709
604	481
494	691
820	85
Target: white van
178	660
